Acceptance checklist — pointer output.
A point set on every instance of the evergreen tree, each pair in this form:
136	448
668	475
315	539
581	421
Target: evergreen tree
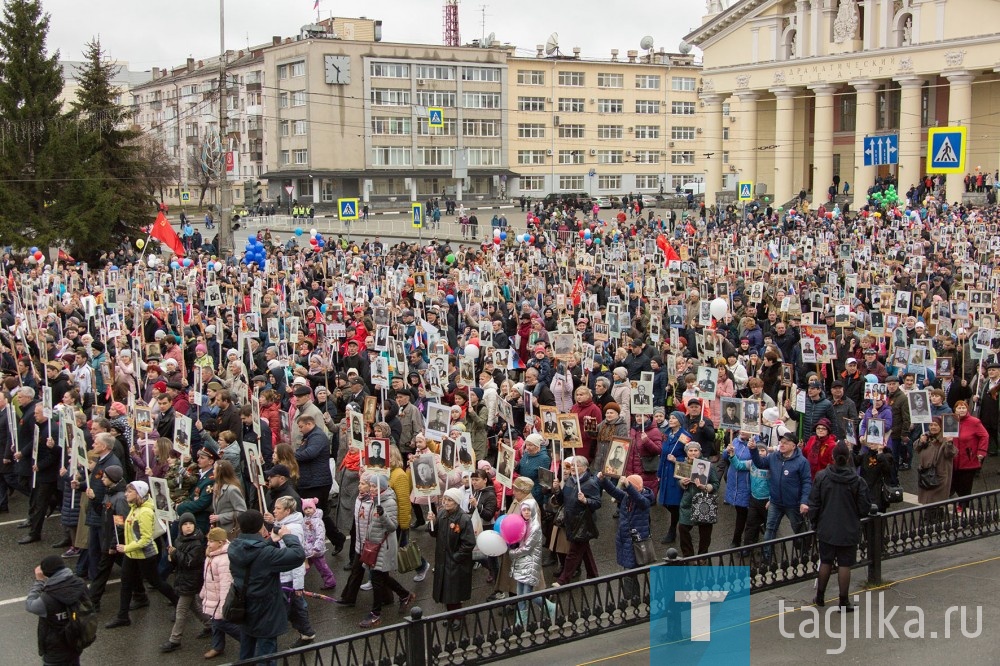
30	85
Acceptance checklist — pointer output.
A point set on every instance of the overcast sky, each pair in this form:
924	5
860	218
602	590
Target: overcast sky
162	33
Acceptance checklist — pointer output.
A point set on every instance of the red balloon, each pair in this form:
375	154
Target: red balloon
791	212
313	241
581	233
496	240
38	255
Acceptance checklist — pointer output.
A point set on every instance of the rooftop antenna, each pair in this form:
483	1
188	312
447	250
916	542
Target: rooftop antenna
684	48
647	45
552	44
482	10
490	40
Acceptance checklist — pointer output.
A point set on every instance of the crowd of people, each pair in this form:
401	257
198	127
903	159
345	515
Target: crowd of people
210	426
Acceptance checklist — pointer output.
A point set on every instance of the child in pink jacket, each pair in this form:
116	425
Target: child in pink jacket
315	542
218	580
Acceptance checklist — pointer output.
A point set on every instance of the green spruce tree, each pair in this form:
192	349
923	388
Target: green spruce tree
30	85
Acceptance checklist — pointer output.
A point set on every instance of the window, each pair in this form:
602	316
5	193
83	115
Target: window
298	68
385	125
571	131
490	74
647	131
682	157
925	104
609	182
387	156
725	157
610	106
530	103
301	156
848	111
531	77
479	157
299	98
683	84
571	104
532	183
299	128
435	72
480	127
390	70
647	106
530	131
570	157
434	156
286	157
424	128
647	81
531	157
680	180
682	108
725	109
610	157
390	97
610	131
481	100
283	126
610	80
725	134
647	182
282	71
647	156
435	98
283	100
682	133
571	183
574	79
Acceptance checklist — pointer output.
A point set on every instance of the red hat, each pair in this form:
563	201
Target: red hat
160	387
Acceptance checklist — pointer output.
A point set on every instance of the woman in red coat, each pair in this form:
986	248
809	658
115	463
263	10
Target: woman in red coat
819	448
647	441
972	443
590	415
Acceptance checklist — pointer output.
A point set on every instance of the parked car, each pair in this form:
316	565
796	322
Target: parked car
648	201
575	198
606	202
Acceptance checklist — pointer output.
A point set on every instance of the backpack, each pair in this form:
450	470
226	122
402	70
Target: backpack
81	624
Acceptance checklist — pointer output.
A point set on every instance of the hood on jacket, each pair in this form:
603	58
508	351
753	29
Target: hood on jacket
839	474
221	550
64	586
295	518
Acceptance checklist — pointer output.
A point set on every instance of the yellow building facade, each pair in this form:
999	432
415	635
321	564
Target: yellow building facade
796	86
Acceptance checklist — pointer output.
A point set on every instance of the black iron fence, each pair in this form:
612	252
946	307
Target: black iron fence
517	626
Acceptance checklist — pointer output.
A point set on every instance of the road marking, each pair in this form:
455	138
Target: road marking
15	522
17	600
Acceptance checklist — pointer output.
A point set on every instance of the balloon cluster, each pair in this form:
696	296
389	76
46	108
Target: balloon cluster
177	264
315	239
499	236
255	253
36	254
887	199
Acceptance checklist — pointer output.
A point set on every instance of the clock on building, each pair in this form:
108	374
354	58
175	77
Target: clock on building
338	69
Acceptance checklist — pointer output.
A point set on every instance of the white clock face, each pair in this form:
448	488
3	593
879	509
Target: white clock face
338	69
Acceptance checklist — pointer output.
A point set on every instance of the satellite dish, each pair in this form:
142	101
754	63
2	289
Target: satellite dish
684	48
552	44
491	40
646	43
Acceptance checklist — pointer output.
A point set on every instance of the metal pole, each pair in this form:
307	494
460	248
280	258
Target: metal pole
226	243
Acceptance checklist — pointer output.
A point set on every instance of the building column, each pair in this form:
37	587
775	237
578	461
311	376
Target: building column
865	116
713	147
822	142
784	138
960	97
746	125
910	135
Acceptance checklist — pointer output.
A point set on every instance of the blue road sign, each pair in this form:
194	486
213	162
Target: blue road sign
946	149
348	209
418	215
882	149
746	190
435	117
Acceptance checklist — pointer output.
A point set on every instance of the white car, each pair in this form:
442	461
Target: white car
649	201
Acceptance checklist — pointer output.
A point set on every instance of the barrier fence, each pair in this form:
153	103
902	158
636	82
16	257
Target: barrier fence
496	630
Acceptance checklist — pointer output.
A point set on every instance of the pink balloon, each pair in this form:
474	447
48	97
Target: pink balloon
513	531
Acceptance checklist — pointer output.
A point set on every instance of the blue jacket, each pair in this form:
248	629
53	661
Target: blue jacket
529	465
790	477
760	486
568	496
738	480
633	515
313	456
264	617
670	491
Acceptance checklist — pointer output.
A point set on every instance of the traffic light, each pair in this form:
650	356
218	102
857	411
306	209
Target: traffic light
260	193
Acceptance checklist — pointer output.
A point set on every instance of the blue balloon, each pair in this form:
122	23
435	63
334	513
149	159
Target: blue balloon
33	250
450	298
322	308
503	235
499	521
174	265
298	231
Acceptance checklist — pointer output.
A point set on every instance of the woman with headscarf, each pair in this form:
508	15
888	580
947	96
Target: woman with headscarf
526	560
672	452
454	543
643	456
634	501
691	488
348	476
819	449
933	450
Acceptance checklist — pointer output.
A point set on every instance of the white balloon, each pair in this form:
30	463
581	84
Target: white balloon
218	266
152	261
312	232
471	351
719	307
491	544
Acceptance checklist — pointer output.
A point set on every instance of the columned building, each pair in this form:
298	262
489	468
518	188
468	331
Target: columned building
805	81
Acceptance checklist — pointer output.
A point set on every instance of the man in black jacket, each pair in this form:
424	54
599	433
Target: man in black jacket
55	591
45	470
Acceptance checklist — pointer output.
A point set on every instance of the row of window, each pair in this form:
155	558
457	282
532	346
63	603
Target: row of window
536	77
432	156
611	183
403	127
577	105
677	133
535	157
394	70
402	97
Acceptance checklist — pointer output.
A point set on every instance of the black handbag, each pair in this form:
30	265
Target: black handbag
650	464
582	527
892	494
928	477
234	609
704	509
643	549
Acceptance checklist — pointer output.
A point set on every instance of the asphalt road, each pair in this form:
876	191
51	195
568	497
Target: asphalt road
151	626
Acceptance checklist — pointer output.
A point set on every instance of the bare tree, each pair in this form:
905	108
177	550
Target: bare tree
204	178
158	168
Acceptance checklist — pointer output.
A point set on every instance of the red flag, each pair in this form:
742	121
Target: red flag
668	250
577	294
64	256
163	232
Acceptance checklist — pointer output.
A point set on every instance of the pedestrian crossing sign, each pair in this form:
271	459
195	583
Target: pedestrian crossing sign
946	149
435	117
746	190
185	196
348	209
418	215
